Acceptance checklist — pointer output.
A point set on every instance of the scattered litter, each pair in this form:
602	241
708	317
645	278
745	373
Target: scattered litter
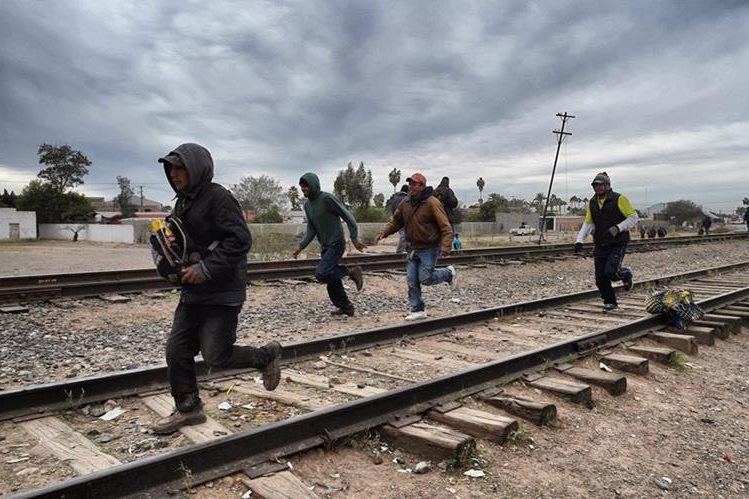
225	406
404	470
249	406
604	367
727	458
659	391
19	460
289	465
247	494
474	473
455	300
114	413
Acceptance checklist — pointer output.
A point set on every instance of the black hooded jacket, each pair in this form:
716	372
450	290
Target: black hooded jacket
211	214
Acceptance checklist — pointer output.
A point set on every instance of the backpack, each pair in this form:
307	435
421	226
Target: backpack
169	248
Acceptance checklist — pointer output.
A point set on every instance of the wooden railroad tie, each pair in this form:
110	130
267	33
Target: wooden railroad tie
575	392
432	442
702	335
615	384
682	342
538	413
658	354
628	363
733	324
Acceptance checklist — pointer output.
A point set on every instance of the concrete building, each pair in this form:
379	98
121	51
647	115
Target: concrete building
16	225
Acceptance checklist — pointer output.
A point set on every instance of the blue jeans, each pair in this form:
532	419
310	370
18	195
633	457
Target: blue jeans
420	270
211	330
330	272
608	265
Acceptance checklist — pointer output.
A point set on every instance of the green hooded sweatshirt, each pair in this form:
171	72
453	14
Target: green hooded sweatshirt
324	213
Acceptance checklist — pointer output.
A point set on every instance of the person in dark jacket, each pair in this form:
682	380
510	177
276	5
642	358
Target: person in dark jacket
324	213
428	231
707	222
445	194
393	203
746	218
214	283
609	216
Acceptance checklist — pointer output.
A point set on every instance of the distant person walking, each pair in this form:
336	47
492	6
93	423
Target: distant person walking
393	203
746	218
324	213
445	194
707	222
609	216
428	231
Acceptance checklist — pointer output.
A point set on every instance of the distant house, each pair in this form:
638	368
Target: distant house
16	225
143	205
294	217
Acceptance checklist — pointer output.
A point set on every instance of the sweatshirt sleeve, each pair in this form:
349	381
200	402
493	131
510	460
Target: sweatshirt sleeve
343	212
234	240
625	207
396	222
310	233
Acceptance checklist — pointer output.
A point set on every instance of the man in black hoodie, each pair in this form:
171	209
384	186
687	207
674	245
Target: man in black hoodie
213	286
444	193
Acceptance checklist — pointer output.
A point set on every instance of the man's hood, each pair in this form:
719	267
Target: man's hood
199	166
428	191
313	182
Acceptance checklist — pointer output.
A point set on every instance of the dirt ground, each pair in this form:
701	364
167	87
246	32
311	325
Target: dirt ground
676	432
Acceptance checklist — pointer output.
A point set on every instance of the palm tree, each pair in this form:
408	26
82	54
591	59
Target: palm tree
538	202
480	184
394	177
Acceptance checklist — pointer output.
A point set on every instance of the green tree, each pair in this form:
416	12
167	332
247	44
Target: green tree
354	187
259	194
379	200
395	177
682	211
124	197
537	203
371	214
269	216
8	200
53	206
66	167
480	184
293	195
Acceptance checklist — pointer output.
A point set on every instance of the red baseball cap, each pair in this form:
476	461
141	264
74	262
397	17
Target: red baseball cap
417	177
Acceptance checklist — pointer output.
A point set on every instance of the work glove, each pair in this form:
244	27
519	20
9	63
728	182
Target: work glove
614	231
578	247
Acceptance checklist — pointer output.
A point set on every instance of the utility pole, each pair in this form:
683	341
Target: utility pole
141	198
560	136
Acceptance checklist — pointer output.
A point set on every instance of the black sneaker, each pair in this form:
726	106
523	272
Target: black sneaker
357	276
627	280
343	311
610	306
272	370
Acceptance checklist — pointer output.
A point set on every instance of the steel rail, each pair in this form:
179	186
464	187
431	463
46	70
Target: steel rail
163	474
29	288
39	399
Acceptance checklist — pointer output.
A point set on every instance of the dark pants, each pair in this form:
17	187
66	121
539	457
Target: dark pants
608	264
211	330
330	272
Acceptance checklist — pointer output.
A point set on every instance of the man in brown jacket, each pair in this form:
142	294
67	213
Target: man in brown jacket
430	236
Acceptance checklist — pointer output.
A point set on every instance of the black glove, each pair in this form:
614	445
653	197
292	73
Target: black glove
614	231
578	247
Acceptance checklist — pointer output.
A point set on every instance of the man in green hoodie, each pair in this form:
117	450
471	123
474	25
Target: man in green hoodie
324	213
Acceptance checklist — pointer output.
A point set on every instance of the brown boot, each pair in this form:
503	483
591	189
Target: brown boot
272	370
357	276
177	420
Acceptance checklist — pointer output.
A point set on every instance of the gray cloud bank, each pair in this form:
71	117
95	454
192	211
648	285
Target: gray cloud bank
463	89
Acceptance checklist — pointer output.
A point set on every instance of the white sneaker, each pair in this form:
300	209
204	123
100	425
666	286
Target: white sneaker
454	287
415	316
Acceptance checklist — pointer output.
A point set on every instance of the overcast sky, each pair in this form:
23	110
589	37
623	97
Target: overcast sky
660	91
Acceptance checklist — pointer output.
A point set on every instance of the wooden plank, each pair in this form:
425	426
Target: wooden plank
14	309
479	424
621	311
629	363
456	348
315	381
730	311
658	354
681	342
369	371
115	298
283	485
703	336
282	396
733	322
575	392
538	413
432	359
720	329
615	384
431	442
68	445
601	317
163	405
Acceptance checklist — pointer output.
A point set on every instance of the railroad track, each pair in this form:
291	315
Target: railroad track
30	288
337	386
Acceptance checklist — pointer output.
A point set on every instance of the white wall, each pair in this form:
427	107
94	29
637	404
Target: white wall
92	232
25	219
